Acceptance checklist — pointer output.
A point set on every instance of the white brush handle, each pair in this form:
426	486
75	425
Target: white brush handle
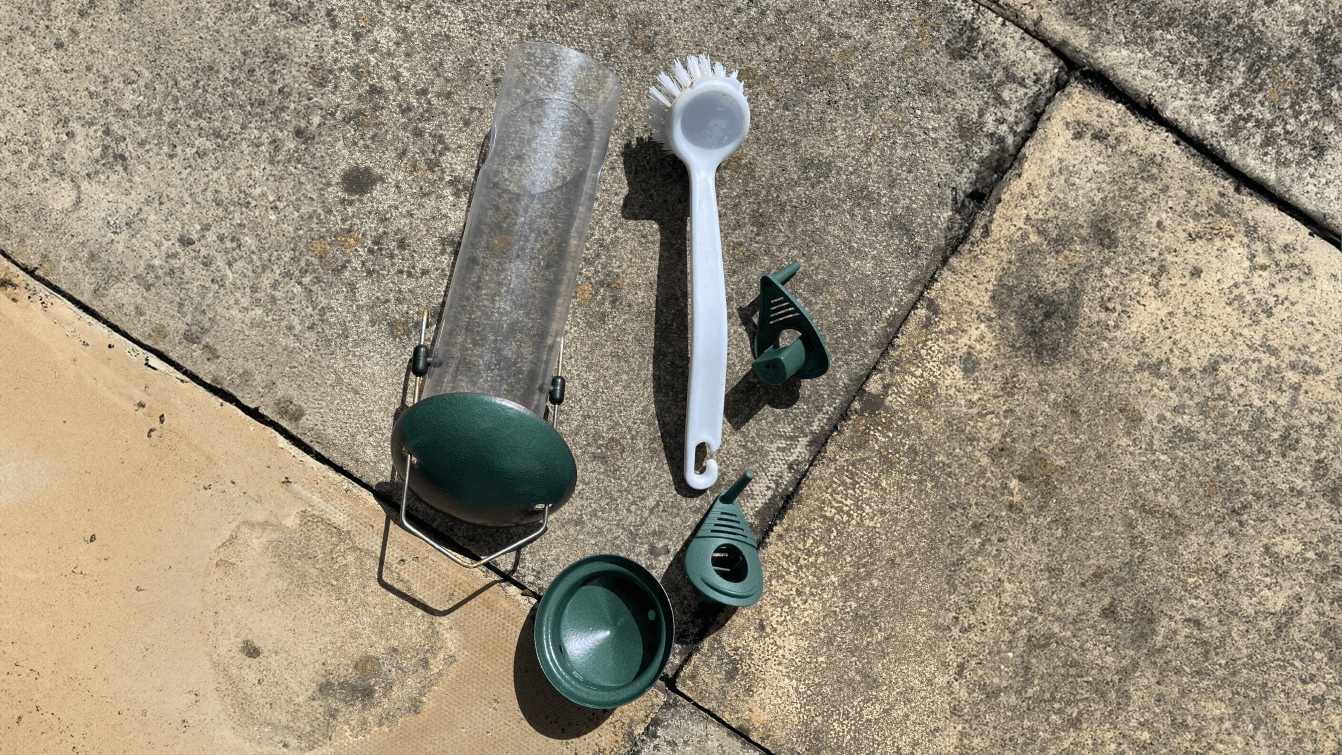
708	328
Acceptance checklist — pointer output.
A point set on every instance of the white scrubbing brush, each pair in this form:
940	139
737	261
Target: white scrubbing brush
701	115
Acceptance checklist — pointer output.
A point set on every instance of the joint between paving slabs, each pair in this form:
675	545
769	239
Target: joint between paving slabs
1079	69
952	246
1075	74
966	222
250	412
673	689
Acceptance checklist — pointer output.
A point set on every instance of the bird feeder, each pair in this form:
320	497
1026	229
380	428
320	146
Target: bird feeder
475	443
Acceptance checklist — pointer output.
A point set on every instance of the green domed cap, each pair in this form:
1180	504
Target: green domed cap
484	459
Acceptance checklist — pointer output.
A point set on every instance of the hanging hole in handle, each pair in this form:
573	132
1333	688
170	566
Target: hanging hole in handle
729	563
787	337
700	458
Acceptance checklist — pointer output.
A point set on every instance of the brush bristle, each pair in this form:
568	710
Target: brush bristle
682	77
657	97
668	86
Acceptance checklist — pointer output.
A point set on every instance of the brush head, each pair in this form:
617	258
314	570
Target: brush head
706	122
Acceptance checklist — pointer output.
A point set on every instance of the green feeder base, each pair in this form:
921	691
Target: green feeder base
604	631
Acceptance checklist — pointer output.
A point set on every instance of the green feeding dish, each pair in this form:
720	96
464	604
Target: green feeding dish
484	459
604	631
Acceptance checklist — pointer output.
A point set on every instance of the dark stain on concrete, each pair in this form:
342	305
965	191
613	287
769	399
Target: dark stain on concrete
340	651
640	32
964	42
359	180
1044	316
340	693
867	403
289	411
969	363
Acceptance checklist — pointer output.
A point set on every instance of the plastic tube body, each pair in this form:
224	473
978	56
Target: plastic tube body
520	252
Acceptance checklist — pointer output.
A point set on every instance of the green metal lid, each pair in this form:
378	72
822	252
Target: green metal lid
722	561
483	459
604	631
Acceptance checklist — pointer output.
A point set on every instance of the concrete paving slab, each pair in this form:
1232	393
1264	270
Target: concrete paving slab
178	578
1259	82
679	727
271	193
1089	501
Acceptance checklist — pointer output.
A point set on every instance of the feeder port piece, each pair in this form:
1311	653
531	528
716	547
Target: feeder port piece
722	561
806	357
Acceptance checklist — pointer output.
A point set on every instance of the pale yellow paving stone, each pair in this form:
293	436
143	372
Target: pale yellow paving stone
179	579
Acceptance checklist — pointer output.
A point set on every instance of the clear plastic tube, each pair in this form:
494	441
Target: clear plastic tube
518	265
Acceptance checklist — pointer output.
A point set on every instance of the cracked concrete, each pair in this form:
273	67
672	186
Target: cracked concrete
679	727
1086	501
1259	82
